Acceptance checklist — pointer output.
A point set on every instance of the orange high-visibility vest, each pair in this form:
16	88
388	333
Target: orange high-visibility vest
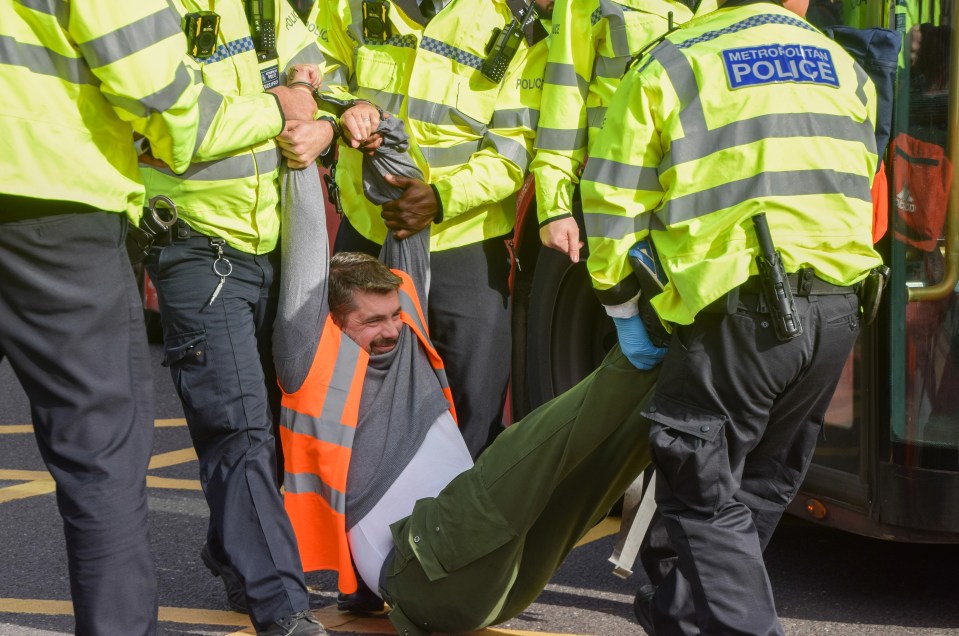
318	422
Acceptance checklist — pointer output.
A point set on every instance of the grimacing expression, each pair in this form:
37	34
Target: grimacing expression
374	322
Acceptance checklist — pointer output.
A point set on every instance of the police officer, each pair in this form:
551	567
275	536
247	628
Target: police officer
580	80
746	111
471	132
217	294
77	81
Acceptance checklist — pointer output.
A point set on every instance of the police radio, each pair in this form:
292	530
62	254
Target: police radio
201	29
376	23
262	21
504	43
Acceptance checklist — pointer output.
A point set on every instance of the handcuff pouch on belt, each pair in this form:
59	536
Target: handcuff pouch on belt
153	228
869	292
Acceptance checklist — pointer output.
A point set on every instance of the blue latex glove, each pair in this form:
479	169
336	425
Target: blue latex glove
636	344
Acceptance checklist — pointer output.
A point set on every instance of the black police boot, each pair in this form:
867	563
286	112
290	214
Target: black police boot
362	601
300	624
643	608
235	592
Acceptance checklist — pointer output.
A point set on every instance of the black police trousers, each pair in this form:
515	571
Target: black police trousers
735	420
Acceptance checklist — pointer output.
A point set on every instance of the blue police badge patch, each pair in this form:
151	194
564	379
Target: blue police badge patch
778	63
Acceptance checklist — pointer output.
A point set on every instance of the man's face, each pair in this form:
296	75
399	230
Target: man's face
375	322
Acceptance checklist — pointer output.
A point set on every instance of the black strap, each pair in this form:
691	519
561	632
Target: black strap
412	10
534	31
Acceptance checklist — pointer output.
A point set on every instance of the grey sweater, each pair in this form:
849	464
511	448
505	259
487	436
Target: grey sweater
401	394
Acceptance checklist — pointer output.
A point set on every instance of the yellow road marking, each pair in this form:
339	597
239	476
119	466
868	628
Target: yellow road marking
29	489
329	616
175	484
178	421
604	528
24	475
164	460
10	429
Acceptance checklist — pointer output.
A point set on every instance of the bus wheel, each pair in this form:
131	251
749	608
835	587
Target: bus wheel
568	331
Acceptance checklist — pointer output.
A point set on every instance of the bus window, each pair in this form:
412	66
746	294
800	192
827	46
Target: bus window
925	432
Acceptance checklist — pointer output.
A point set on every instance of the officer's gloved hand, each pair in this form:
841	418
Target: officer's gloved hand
636	345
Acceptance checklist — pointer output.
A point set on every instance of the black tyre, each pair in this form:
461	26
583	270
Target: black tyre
568	331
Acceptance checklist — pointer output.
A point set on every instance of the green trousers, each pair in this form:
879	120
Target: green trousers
482	550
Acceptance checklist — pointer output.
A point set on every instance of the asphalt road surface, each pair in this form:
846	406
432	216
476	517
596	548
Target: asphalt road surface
826	582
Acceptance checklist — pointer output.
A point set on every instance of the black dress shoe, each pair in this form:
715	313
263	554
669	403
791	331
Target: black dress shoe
643	608
235	592
362	601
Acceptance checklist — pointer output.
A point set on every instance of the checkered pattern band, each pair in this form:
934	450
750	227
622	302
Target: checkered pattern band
228	50
748	23
453	53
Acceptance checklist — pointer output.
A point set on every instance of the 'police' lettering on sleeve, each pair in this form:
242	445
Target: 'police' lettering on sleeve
756	65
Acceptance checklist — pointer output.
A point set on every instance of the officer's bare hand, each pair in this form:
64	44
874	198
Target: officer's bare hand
358	124
309	73
295	104
301	142
562	235
413	211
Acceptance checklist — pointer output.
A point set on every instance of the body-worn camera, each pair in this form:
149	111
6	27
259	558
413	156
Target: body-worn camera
376	22
201	29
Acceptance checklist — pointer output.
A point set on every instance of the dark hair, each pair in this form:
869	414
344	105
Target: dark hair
351	271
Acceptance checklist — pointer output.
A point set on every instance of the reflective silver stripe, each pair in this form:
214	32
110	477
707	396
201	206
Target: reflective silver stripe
565	75
305	483
765	184
336	77
43	61
438	157
391	102
515	118
441	115
610	67
509	149
208	104
329	431
560	139
309	55
57	8
595	116
747	131
622	175
617	26
160	100
236	167
683	79
338	391
612	226
407	304
130	38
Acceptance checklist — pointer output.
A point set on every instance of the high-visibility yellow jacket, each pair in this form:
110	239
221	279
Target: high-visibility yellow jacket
318	422
473	138
747	109
230	193
591	43
77	79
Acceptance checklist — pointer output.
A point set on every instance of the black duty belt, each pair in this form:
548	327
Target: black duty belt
803	283
179	232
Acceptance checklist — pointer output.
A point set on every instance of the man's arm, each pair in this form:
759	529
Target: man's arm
411	255
304	274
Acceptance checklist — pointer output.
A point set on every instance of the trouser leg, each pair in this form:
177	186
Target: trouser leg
470	328
735	421
214	355
71	324
486	545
